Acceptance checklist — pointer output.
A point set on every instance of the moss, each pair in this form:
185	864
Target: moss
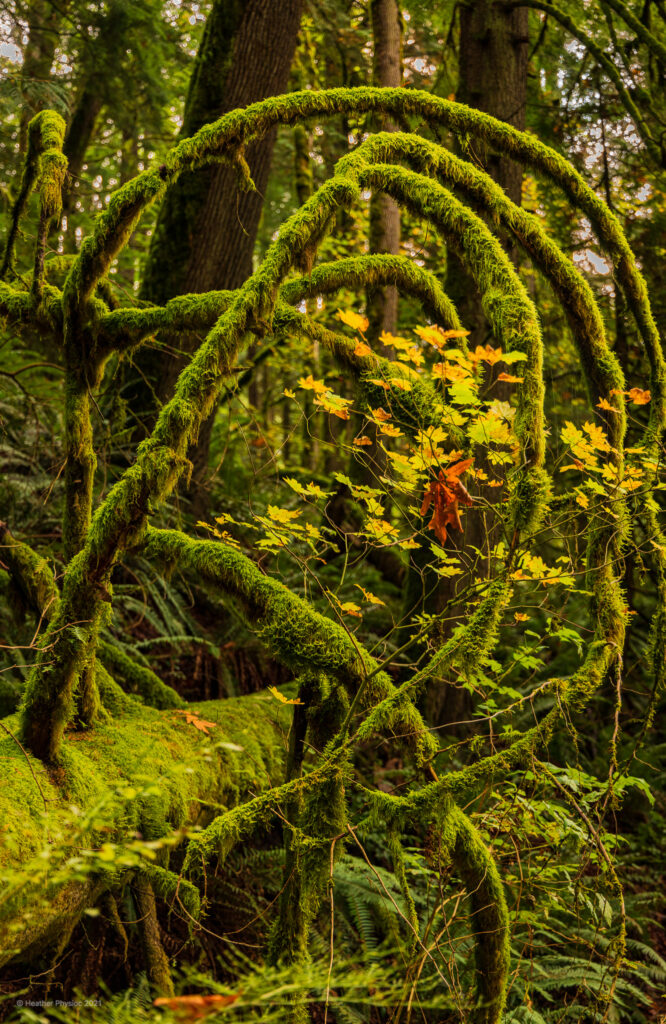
174	889
156	960
459	843
175	772
162	458
45	166
112	696
137	678
314	842
490	918
31	574
299	636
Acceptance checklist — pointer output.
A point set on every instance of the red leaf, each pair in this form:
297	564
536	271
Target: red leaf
458	468
447	492
196	1007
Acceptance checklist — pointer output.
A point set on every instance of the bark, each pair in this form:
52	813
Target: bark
382	303
493	76
204	238
206	229
78	138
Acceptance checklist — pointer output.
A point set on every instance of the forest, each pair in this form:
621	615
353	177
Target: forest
332	539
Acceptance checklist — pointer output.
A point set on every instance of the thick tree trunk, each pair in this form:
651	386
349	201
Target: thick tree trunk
204	238
493	75
207	226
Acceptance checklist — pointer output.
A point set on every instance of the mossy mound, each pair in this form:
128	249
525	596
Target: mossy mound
136	778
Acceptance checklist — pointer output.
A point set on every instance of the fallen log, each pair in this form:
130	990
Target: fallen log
125	794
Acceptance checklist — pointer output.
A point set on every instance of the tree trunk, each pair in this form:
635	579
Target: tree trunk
204	238
493	76
382	303
43	38
206	229
79	135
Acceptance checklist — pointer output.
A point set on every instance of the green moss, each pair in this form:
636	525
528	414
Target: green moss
298	635
137	678
174	770
31	574
45	166
490	918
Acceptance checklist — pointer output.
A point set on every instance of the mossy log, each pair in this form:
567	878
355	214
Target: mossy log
69	839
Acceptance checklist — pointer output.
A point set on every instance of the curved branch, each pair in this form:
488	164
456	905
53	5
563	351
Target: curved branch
298	635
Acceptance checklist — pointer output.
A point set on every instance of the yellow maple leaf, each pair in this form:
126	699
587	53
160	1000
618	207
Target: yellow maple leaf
508	378
362	440
380	383
455	334
334	404
310	384
369	597
412	354
451	372
390	430
401	383
486	354
392	341
520	616
362	349
597	436
639	397
192	719
433	335
282	515
288	393
353	320
380	529
603	403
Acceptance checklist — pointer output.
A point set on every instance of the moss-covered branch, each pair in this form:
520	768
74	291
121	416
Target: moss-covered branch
653	43
45	166
297	635
254	121
31	574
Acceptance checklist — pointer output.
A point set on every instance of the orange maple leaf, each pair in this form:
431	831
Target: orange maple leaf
446	494
198	723
196	1007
